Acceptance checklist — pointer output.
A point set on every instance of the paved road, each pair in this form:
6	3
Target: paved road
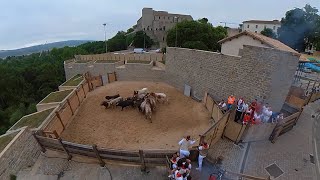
290	152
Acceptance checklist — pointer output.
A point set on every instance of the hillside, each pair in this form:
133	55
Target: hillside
39	48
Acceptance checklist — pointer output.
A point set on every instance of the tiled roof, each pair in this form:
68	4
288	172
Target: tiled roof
264	39
263	22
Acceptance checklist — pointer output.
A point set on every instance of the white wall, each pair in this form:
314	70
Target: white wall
252	27
232	47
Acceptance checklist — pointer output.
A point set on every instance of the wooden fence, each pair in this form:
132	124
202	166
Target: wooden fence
143	157
212	106
68	108
285	125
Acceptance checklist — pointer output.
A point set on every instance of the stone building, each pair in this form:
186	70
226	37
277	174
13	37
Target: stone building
157	23
258	25
232	45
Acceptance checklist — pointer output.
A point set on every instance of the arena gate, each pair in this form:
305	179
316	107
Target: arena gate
112	77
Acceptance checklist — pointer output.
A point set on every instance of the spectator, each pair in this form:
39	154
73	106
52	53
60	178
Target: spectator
222	105
239	110
231	100
267	113
203	151
253	106
184	146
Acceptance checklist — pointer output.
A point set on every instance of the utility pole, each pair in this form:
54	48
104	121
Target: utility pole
144	40
176	18
105	36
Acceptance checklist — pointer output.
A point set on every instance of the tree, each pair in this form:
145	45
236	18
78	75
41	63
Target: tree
196	35
140	39
298	27
269	33
203	20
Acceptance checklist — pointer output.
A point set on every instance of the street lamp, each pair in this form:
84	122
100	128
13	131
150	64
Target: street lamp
176	19
105	36
144	40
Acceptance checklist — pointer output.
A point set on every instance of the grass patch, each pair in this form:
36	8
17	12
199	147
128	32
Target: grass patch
5	140
34	120
57	96
107	61
138	61
74	81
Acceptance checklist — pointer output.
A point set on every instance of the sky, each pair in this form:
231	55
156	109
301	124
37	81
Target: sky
31	22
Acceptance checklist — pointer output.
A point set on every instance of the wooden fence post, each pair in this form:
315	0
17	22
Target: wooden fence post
59	117
41	147
95	150
101	80
68	101
115	76
84	92
65	149
55	134
78	97
143	163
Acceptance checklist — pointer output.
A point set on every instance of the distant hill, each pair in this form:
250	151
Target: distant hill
39	48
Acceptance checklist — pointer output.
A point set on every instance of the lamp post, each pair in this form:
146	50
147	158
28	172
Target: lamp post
105	36
144	39
176	19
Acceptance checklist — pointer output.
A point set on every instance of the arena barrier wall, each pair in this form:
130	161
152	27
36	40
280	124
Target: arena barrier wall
142	157
120	56
67	109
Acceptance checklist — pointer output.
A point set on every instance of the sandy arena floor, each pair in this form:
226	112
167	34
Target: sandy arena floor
128	129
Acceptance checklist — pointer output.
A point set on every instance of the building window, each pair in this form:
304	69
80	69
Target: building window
159	17
274	27
248	26
160	29
256	31
144	29
163	39
156	29
164	28
256	26
148	28
168	17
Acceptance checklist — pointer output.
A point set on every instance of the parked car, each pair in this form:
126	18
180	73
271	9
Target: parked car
138	50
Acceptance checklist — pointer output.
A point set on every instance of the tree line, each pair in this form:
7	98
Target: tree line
299	28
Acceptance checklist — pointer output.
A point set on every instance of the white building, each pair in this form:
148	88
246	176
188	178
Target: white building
232	45
157	23
257	26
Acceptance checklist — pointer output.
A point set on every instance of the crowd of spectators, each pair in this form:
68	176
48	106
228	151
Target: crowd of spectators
254	112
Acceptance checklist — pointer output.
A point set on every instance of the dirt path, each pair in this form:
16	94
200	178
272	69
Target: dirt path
128	129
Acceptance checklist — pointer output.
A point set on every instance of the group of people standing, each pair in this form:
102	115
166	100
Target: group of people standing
250	113
180	162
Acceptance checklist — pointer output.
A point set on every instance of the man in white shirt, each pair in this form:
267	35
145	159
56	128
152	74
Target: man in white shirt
184	146
203	151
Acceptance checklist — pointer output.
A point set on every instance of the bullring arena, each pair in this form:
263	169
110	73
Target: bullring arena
129	129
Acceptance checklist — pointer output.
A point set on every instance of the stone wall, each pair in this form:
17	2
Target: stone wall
21	153
261	73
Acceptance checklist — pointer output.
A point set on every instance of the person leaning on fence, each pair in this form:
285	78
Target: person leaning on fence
184	146
222	105
203	151
239	110
231	100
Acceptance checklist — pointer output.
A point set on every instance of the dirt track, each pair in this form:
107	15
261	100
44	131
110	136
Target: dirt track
128	129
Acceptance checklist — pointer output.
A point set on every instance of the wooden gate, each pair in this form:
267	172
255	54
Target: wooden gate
112	77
